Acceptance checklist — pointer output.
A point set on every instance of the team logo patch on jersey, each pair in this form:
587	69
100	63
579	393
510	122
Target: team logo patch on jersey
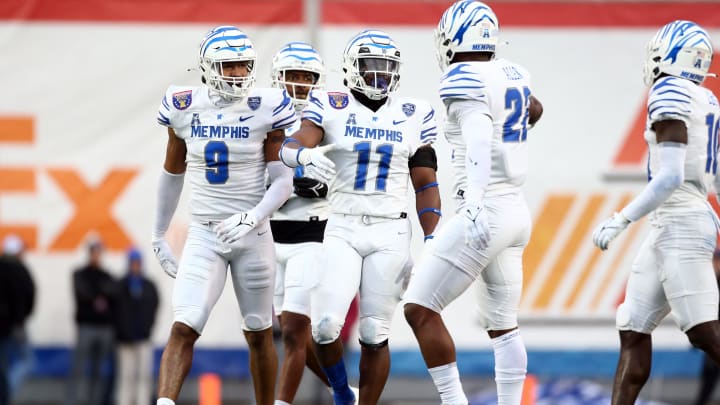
254	102
338	101
351	119
195	120
408	109
182	100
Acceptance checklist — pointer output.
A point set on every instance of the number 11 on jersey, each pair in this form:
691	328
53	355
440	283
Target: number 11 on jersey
363	149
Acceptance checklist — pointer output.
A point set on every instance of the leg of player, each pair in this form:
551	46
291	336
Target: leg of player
706	337
510	364
263	364
330	356
438	350
175	363
374	370
498	306
633	367
297	345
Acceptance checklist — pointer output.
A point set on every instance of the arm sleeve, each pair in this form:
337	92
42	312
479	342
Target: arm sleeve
281	186
474	120
169	189
670	176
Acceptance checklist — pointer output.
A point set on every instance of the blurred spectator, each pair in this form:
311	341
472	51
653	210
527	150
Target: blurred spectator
17	296
95	294
134	318
710	371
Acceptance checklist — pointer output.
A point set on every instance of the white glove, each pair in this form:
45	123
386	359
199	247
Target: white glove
234	228
317	165
318	174
609	230
165	256
477	229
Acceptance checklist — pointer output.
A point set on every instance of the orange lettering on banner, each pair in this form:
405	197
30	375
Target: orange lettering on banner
544	232
17	129
18	180
570	248
92	208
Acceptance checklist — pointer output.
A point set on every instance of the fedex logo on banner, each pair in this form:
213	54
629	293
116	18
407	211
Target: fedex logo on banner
92	204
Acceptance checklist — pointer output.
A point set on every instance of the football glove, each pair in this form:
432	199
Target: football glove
165	256
317	165
234	228
477	229
309	188
609	230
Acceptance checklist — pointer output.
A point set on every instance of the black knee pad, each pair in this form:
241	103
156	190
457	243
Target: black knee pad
373	346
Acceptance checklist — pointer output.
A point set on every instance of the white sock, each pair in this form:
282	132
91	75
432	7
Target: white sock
447	381
510	367
165	401
279	402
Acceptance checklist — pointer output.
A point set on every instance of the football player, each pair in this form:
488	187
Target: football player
298	228
375	143
673	270
226	134
488	103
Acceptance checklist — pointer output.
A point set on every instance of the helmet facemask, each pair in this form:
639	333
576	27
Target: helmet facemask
298	83
375	76
223	77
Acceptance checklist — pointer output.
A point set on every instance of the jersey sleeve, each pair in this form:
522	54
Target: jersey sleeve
315	109
283	113
428	128
669	100
461	82
166	111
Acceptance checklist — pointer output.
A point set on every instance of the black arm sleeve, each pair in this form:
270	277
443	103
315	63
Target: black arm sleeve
424	157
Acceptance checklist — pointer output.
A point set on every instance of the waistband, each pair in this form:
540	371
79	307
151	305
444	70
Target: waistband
370	219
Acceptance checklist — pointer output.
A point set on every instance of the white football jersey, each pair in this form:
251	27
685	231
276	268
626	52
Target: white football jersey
504	88
373	149
298	208
673	98
225	144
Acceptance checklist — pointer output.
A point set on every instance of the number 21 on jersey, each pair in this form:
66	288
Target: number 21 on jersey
517	102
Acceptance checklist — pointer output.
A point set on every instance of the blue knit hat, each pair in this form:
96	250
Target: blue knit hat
134	255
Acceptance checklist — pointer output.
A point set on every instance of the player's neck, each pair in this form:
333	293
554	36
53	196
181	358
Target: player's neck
374	105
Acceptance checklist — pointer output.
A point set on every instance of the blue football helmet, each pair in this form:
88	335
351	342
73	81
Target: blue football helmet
227	44
466	26
680	48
